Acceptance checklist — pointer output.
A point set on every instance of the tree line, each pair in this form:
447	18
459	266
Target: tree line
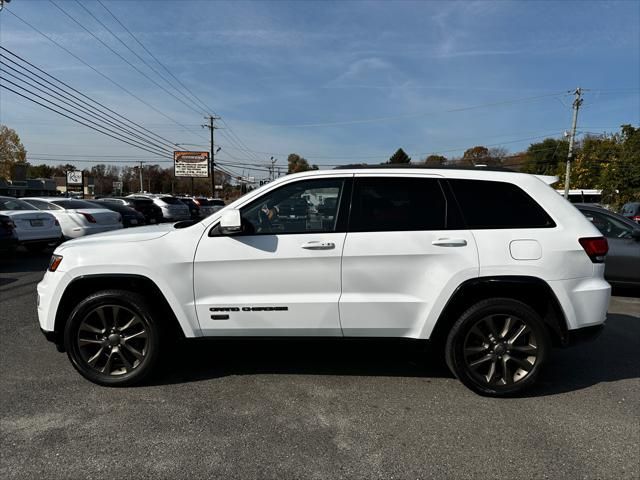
609	162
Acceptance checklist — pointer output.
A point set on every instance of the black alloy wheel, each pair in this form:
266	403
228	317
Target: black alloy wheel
497	347
112	338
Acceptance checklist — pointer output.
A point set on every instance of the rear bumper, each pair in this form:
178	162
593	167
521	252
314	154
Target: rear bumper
584	301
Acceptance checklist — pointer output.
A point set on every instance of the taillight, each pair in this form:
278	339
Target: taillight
595	247
8	224
90	218
636	218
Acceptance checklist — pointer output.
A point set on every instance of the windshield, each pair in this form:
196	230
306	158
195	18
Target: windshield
15	204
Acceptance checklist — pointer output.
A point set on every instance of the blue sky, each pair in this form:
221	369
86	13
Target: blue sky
337	82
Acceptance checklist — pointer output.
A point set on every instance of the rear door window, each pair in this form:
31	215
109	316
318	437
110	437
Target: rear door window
382	204
489	204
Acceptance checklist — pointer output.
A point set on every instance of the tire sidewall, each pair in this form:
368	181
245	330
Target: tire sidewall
455	344
125	299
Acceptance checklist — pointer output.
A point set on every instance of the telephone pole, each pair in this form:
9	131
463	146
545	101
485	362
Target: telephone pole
140	170
576	106
211	128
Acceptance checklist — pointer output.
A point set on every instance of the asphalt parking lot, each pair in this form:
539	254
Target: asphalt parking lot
320	409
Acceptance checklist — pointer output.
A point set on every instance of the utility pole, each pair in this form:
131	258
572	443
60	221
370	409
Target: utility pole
140	170
576	106
211	128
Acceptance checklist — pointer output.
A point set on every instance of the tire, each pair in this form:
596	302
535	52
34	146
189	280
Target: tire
497	347
113	339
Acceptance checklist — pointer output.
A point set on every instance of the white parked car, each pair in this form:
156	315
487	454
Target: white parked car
494	266
173	209
35	229
77	218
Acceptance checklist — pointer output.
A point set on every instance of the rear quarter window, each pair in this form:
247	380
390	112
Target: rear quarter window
490	204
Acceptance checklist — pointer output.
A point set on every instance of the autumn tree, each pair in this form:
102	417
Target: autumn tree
477	155
11	151
435	161
400	157
299	164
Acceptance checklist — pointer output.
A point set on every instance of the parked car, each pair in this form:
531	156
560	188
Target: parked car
622	266
631	210
194	208
207	207
8	235
494	266
130	216
152	213
217	204
77	217
36	230
173	209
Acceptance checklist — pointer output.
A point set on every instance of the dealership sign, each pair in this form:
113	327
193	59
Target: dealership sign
74	177
191	164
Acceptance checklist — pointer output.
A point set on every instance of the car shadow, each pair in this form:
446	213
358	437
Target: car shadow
203	359
611	357
23	261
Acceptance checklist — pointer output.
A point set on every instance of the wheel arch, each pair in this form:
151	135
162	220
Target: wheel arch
532	291
83	286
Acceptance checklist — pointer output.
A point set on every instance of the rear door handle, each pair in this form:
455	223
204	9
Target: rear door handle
319	245
449	242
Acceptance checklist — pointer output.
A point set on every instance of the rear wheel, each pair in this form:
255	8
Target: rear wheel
112	338
497	347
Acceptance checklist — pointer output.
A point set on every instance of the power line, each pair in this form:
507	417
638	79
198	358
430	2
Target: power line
73	104
205	110
232	136
422	114
128	48
76	120
132	125
101	74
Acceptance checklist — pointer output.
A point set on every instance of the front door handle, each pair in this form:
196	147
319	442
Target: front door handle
449	242
319	245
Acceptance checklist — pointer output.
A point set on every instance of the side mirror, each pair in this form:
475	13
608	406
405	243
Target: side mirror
231	222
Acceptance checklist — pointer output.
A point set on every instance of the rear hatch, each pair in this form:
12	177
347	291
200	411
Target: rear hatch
175	206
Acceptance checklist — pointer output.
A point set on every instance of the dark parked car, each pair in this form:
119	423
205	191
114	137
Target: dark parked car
631	211
622	263
152	213
8	235
194	208
130	216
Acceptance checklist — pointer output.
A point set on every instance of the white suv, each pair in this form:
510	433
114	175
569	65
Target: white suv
495	266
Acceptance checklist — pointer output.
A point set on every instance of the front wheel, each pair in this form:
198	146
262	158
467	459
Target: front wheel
112	338
497	347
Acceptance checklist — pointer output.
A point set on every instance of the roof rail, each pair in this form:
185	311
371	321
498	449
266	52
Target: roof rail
425	167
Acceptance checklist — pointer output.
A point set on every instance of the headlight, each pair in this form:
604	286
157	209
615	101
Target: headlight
54	263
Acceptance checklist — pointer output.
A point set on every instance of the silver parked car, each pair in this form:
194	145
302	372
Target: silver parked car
173	209
622	264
